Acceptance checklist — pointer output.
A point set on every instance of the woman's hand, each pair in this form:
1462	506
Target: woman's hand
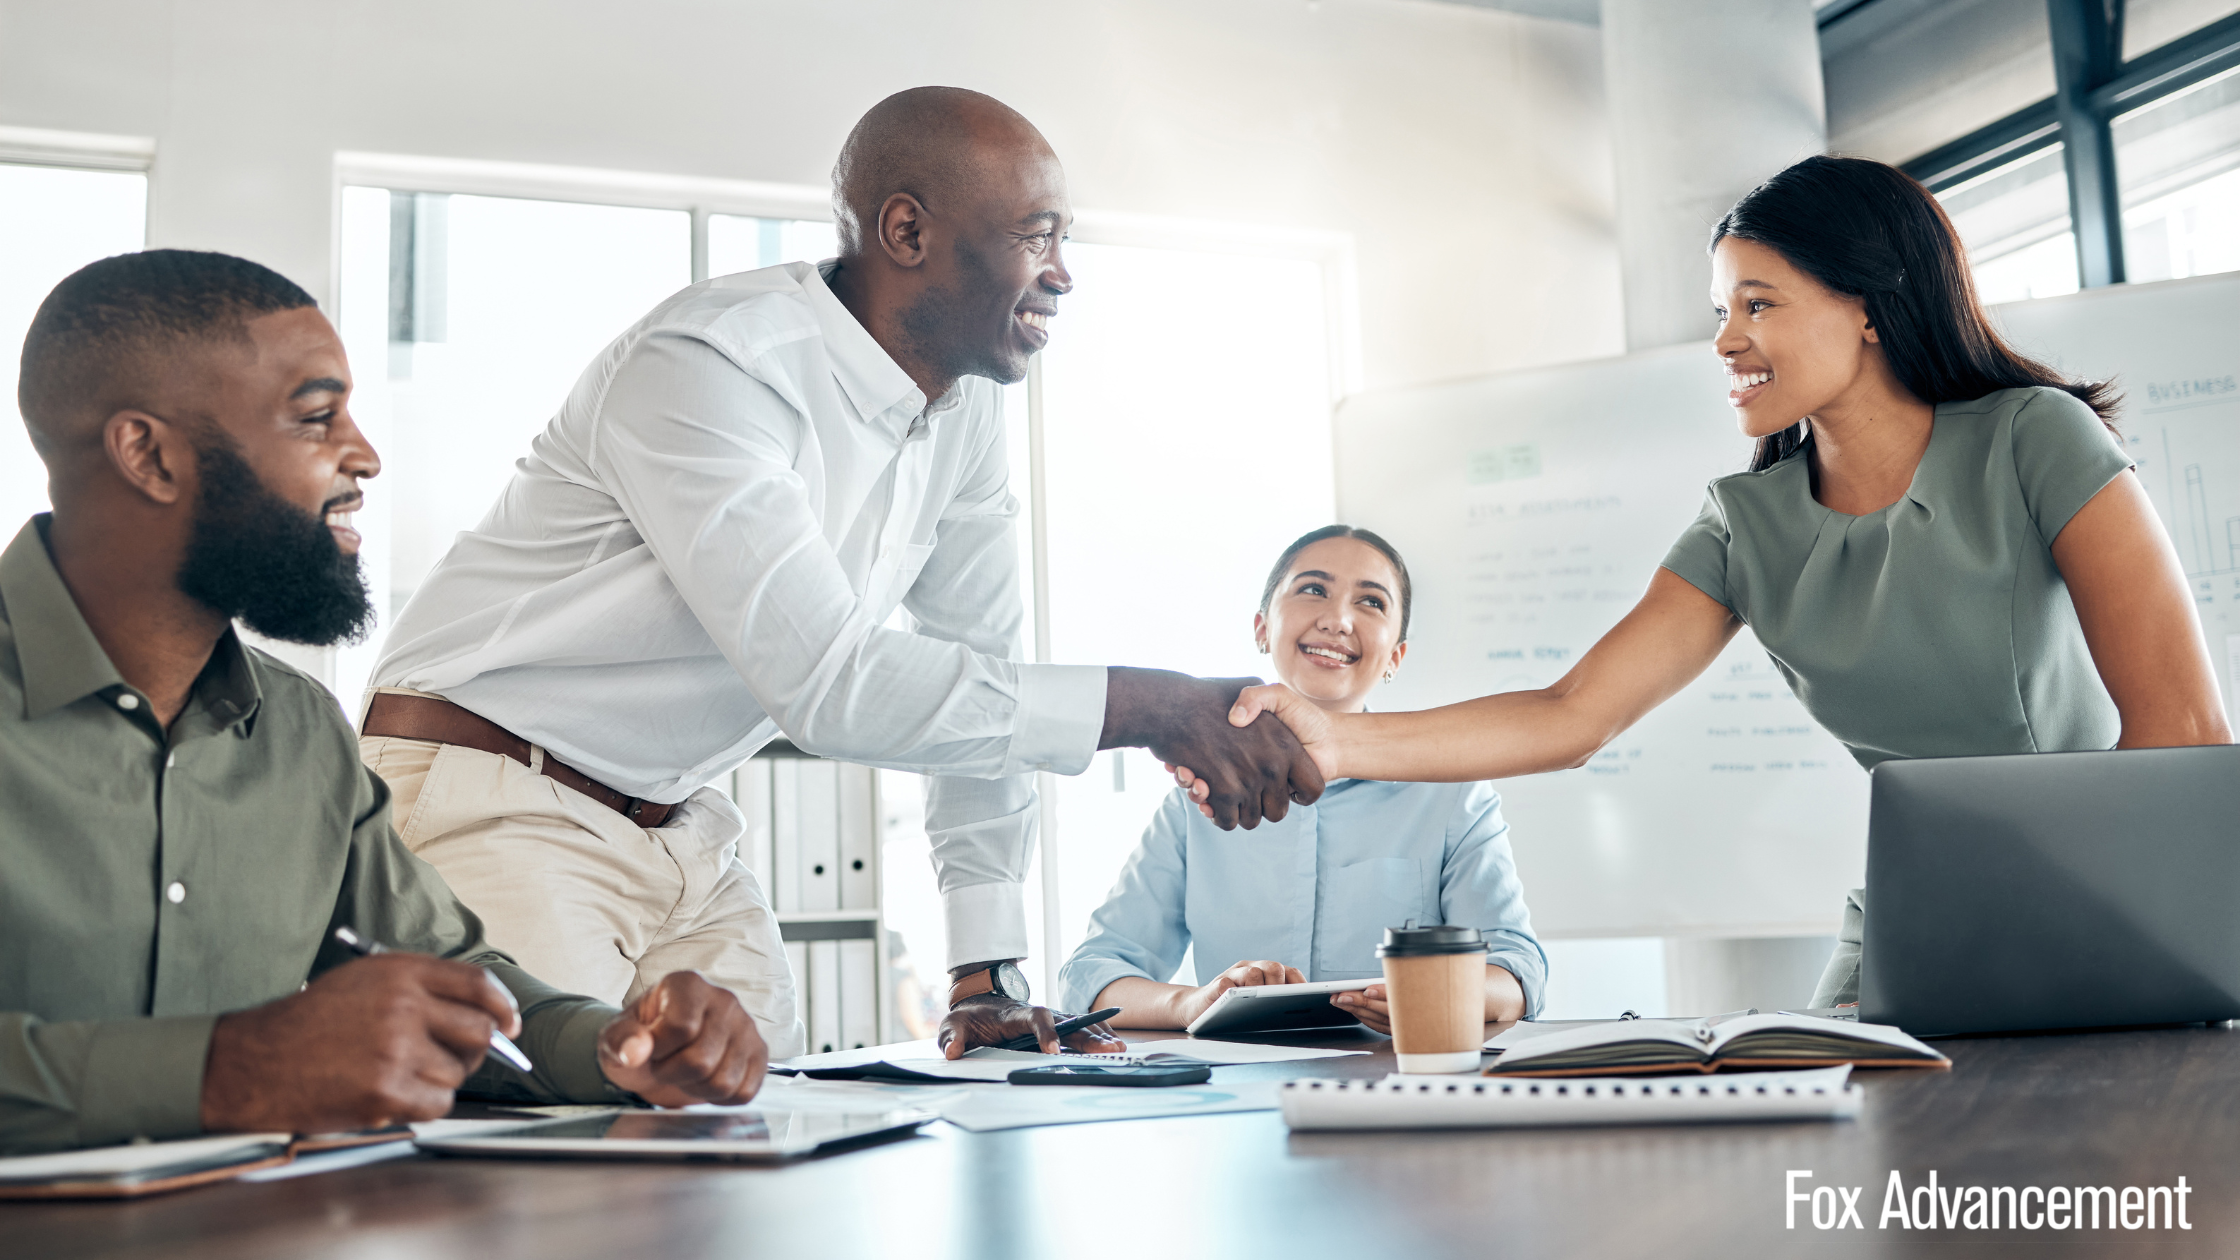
1308	722
1191	1003
1367	1005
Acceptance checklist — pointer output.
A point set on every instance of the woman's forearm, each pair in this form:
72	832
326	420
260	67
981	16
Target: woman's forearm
1143	1002
1504	995
1669	638
1491	737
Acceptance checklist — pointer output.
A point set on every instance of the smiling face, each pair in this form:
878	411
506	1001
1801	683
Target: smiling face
990	295
1332	628
276	482
1792	346
286	411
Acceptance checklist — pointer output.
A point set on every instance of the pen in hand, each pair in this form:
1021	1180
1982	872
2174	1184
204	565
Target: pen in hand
499	1042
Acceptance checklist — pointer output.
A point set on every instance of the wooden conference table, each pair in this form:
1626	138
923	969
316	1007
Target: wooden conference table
2114	1109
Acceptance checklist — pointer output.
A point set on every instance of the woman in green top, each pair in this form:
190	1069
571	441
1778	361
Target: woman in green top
1939	542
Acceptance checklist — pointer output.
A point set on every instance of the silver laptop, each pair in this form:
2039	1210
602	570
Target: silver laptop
2058	890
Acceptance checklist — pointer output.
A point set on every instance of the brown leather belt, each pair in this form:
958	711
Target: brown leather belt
438	721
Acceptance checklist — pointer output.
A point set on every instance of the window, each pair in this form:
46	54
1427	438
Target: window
55	220
2014	221
468	319
1185	445
2179	162
739	243
2157	134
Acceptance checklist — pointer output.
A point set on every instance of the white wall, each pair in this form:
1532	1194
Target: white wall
1464	149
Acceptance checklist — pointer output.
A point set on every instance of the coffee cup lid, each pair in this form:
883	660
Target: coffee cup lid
1408	940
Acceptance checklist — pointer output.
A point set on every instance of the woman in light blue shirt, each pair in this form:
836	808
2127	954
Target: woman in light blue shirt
1308	898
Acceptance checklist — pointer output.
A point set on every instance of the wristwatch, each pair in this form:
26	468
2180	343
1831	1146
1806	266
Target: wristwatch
1004	979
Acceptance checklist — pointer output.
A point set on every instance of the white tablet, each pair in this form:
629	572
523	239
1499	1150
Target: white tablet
1278	1007
748	1136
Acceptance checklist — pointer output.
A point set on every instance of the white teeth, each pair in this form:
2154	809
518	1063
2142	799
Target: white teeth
339	518
1748	380
1339	657
1035	319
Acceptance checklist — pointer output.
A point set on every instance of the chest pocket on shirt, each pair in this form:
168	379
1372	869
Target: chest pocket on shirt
1356	904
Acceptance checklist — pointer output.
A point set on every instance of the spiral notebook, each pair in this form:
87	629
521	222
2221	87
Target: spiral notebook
1412	1102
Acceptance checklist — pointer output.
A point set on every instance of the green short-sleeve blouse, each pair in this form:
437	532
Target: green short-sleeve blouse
1938	626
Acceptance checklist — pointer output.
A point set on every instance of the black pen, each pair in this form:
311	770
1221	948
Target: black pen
499	1042
1028	1041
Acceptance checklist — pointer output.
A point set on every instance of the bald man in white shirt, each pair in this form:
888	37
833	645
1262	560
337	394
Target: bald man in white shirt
701	551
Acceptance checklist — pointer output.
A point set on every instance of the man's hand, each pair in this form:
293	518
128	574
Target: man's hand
372	1042
1370	1006
1191	1003
987	1019
1249	770
684	1041
1308	722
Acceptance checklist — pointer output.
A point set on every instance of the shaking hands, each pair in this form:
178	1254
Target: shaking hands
1241	770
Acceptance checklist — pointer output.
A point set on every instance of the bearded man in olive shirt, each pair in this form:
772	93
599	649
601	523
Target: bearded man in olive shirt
184	821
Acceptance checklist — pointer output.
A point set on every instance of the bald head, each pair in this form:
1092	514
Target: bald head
935	144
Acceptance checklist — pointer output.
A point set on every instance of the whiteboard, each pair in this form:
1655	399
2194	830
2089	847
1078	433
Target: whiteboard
1532	508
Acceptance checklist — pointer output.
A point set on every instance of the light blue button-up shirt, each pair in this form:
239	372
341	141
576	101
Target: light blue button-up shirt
1315	891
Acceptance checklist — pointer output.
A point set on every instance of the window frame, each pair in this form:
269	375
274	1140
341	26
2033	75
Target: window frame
2095	85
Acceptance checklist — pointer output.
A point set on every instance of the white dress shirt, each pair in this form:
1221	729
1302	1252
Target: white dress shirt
701	551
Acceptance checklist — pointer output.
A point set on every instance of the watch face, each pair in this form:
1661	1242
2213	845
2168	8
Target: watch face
1011	982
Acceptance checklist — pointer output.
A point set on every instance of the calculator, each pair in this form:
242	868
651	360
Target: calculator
1147	1074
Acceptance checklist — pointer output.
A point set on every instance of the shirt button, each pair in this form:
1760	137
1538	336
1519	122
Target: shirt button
176	893
128	702
171	761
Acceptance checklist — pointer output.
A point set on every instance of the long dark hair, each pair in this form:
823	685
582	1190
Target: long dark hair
1310	538
1869	230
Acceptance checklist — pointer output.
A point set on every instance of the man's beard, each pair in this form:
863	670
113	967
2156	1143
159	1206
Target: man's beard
256	556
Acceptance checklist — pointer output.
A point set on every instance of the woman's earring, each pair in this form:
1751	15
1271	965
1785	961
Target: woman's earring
1388	675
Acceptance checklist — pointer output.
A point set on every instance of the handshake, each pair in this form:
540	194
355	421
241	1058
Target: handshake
1232	748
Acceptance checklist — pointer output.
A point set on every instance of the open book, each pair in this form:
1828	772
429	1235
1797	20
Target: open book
1733	1043
121	1172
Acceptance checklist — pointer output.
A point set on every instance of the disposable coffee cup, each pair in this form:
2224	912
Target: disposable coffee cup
1435	981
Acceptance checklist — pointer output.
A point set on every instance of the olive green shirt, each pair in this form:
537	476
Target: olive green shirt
151	881
1938	626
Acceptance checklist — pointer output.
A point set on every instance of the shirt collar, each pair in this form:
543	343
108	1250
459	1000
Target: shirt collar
60	660
873	381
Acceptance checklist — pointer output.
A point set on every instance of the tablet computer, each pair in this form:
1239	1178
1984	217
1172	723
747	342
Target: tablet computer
747	1136
1278	1007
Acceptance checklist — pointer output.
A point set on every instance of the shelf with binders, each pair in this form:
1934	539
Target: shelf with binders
812	842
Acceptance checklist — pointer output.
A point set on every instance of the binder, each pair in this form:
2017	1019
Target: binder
859	838
785	835
750	787
820	836
797	961
824	996
859	994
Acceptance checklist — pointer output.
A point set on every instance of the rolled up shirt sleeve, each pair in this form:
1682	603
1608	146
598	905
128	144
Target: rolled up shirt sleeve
1478	886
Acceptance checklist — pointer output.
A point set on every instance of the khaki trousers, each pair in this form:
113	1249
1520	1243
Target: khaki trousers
582	897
